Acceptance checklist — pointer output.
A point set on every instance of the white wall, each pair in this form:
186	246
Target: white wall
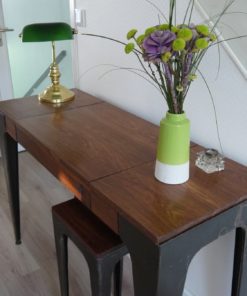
210	271
233	24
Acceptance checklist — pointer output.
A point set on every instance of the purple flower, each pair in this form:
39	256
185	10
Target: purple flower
156	44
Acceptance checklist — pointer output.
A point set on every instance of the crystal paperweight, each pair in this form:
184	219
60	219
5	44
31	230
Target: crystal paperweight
210	161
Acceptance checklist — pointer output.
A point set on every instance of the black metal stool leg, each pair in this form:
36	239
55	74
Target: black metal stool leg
61	242
118	276
100	276
102	248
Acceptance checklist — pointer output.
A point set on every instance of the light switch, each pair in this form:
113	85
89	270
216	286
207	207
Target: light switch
80	17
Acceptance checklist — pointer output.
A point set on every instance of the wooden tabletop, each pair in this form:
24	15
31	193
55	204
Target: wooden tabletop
163	211
106	156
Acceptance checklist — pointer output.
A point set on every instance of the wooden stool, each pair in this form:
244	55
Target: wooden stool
101	247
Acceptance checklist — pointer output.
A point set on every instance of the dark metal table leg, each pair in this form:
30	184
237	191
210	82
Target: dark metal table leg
157	270
9	151
239	281
160	270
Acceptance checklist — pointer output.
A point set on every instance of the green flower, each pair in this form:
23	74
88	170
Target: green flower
201	43
163	27
150	31
179	88
178	44
203	30
129	48
192	77
140	39
212	37
185	33
174	29
166	56
131	34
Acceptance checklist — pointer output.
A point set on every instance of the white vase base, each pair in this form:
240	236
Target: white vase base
171	174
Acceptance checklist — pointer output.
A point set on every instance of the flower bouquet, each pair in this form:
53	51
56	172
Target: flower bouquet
172	53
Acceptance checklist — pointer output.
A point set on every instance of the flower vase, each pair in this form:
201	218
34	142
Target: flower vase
172	161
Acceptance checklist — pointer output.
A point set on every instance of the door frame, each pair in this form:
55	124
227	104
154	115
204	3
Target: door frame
7	92
74	51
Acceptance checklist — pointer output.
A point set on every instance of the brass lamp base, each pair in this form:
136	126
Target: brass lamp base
56	95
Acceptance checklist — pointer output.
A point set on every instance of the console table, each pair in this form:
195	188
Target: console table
105	156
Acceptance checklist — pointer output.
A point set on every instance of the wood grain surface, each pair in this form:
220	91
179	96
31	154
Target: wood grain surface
90	142
31	106
86	227
163	211
16	109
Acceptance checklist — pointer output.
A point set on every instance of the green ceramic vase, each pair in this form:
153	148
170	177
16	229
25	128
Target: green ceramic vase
172	162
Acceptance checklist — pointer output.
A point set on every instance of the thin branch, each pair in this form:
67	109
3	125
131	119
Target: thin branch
144	68
107	38
227	6
187	11
158	9
105	65
135	51
219	61
228	39
92	68
171	12
191	11
210	20
132	70
215	114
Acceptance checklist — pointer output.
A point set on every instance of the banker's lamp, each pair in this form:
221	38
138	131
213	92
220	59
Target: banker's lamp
55	93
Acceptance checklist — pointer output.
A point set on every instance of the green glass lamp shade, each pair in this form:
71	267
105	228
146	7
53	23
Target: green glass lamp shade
46	32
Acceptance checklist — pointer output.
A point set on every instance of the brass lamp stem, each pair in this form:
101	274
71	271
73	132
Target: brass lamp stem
56	93
54	71
53	52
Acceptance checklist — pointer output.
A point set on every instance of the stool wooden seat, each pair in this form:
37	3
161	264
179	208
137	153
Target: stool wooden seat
101	247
